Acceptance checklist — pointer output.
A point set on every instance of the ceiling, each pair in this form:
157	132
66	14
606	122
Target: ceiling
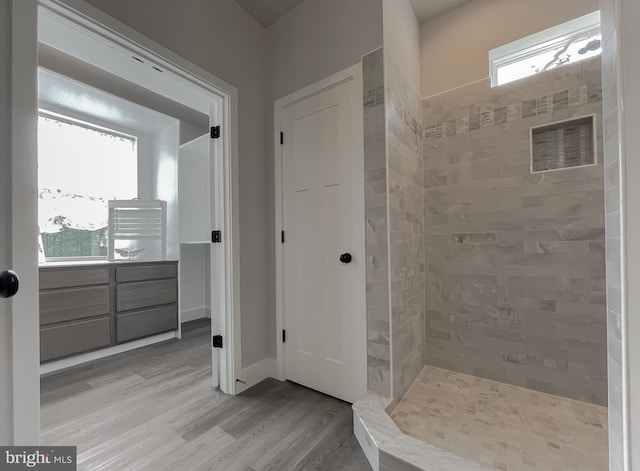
427	9
267	12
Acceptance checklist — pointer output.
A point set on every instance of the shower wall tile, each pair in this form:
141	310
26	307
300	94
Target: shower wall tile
376	214
515	275
406	219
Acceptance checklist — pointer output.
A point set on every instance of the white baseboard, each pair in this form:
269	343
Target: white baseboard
196	313
105	352
252	375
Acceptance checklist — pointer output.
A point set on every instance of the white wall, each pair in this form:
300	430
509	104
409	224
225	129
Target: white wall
195	281
455	46
165	184
220	37
402	38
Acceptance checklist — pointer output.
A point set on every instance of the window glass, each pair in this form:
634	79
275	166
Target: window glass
80	168
564	44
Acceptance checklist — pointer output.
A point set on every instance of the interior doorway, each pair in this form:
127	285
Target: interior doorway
320	254
104	43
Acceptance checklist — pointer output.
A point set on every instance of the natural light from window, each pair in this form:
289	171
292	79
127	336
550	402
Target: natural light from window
567	43
80	168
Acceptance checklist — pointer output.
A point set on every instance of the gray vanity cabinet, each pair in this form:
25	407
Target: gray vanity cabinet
88	307
75	310
146	300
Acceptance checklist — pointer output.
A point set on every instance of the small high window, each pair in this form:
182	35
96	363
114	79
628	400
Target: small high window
567	43
80	168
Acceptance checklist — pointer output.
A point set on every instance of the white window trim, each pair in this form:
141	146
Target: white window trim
535	43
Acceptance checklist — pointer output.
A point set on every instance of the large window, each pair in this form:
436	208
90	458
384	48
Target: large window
80	168
567	43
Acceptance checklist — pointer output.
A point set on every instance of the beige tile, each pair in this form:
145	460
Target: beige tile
502	426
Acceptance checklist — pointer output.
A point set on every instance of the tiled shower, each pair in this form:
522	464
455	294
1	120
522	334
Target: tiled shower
486	272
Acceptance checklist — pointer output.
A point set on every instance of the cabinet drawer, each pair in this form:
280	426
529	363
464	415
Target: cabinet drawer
131	296
147	272
138	324
71	304
52	278
78	337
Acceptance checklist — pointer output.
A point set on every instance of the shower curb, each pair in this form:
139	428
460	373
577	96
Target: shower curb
388	449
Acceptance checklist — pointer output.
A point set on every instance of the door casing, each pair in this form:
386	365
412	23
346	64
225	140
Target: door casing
21	388
97	28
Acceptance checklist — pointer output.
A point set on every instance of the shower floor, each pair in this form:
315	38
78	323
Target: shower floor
503	427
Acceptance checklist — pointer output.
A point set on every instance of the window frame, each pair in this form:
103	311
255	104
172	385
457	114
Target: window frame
540	42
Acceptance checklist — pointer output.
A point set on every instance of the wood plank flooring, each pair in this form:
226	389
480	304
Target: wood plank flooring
153	408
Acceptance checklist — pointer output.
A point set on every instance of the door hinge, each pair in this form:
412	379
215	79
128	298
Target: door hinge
215	132
281	138
282	236
216	237
284	335
217	341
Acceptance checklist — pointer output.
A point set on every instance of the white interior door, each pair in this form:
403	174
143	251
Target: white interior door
323	218
6	380
19	340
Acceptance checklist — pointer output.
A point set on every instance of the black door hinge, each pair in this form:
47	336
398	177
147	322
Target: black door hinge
216	237
284	335
281	138
282	236
217	341
215	132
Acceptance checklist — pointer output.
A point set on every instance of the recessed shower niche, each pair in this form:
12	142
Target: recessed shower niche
563	144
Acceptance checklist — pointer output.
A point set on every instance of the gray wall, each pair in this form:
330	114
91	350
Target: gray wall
452	57
516	269
220	37
402	38
6	391
406	224
613	219
319	38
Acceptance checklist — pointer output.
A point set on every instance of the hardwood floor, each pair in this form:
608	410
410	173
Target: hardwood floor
153	408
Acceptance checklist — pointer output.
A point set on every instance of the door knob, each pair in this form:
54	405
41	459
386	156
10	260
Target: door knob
9	284
346	258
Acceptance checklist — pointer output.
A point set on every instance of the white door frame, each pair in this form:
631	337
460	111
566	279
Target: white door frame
109	44
24	425
353	73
